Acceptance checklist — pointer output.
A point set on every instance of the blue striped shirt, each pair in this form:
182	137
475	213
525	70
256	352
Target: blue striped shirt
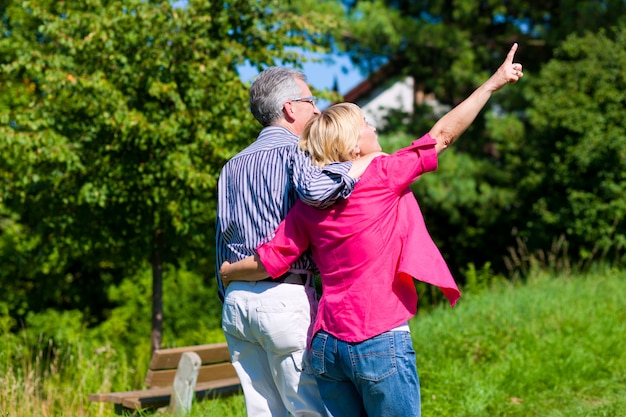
258	187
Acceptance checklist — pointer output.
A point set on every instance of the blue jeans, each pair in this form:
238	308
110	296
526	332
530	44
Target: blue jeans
376	377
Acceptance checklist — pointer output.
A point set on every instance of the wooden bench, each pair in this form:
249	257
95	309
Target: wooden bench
176	376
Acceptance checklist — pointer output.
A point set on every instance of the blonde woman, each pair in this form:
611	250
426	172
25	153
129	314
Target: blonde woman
369	249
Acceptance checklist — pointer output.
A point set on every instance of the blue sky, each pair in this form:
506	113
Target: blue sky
322	75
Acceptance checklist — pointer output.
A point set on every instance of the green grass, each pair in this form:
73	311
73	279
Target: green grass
552	347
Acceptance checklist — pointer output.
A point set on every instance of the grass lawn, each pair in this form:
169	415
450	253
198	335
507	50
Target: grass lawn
551	347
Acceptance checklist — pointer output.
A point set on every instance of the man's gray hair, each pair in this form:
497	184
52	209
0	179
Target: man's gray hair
269	91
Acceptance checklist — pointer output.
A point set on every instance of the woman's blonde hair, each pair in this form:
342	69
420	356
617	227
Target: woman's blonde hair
333	135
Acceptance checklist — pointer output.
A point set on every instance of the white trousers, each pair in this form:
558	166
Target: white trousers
267	325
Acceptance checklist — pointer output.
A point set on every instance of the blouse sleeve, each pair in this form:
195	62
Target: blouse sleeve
285	245
407	164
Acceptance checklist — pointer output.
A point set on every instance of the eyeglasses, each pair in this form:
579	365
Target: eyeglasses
310	99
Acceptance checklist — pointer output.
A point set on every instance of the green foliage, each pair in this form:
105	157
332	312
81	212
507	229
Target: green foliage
59	328
480	280
465	205
50	338
15	244
115	119
573	179
116	130
192	311
56	379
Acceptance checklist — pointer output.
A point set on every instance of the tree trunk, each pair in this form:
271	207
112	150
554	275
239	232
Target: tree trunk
157	294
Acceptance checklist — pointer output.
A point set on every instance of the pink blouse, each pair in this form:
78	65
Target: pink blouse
368	248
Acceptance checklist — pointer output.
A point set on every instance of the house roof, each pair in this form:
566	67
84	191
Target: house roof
373	81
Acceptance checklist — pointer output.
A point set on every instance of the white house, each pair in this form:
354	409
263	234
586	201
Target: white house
384	91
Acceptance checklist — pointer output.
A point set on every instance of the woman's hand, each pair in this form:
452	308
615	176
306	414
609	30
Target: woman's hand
224	271
248	269
448	129
509	72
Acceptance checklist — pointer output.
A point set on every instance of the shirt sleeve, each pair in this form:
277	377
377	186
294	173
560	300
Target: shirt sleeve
407	164
285	245
321	187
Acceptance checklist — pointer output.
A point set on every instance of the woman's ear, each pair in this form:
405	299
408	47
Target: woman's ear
356	152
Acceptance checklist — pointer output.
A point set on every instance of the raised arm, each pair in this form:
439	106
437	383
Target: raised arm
448	129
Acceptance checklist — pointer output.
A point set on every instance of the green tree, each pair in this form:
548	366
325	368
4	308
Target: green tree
115	119
473	205
572	165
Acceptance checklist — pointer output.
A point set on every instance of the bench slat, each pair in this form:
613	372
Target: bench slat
159	397
169	358
114	397
201	388
206	373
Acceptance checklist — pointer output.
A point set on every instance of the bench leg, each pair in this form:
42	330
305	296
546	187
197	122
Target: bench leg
185	383
120	410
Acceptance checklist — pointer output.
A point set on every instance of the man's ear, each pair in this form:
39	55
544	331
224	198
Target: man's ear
288	111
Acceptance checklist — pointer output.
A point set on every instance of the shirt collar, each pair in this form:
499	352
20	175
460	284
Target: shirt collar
270	132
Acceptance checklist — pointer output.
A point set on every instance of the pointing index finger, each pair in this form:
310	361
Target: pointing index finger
511	54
